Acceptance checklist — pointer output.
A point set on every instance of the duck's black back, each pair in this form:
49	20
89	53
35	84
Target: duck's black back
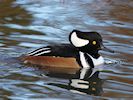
62	50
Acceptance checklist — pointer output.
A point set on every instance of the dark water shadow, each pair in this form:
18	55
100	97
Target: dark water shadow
85	84
81	81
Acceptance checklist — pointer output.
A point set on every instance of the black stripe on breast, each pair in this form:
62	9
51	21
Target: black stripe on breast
89	60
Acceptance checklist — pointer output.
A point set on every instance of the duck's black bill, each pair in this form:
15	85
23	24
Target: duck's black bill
106	49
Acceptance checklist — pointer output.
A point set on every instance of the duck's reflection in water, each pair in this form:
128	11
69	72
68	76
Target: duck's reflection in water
84	81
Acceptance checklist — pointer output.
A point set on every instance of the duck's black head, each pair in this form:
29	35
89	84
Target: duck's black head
88	42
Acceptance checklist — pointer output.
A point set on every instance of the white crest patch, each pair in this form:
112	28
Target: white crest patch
78	42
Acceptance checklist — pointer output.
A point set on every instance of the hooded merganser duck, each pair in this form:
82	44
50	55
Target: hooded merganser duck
82	52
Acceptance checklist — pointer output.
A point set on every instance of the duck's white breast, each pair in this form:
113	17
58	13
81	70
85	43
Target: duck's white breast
97	62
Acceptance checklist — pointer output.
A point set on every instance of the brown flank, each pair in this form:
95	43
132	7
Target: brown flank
51	61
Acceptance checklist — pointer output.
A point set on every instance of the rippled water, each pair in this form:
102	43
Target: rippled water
29	24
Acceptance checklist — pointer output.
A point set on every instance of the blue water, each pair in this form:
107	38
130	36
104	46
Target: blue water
28	24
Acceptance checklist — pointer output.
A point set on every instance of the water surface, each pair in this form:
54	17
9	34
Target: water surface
28	24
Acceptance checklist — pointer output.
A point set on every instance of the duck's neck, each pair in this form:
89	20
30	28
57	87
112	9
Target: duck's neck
94	54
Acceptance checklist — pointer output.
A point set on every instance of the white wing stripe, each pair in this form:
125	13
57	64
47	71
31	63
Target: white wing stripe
36	51
42	53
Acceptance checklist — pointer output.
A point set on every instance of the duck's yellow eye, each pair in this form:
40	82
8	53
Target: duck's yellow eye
94	42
